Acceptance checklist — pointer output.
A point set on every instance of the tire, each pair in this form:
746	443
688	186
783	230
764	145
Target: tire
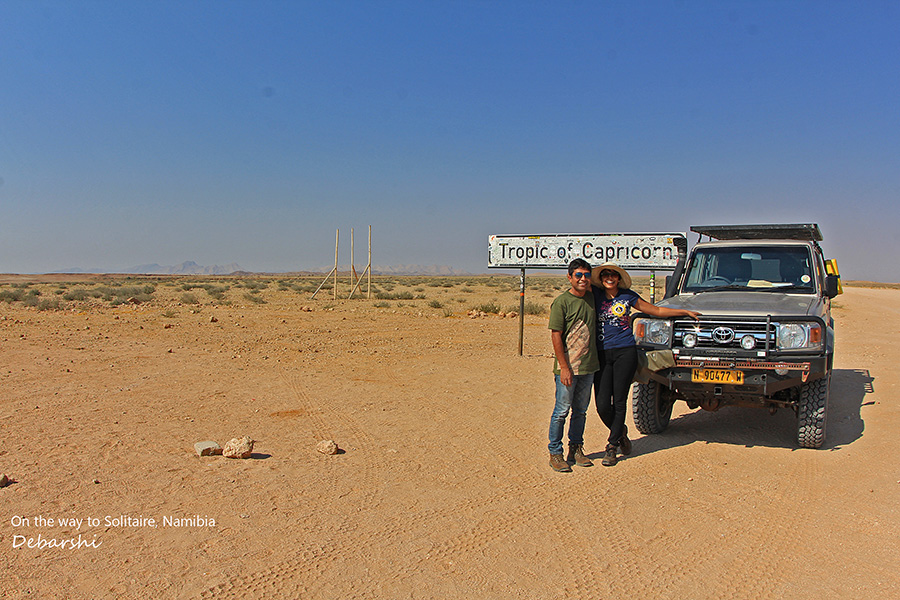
651	407
812	413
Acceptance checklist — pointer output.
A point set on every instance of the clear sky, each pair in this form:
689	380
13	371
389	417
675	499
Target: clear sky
158	132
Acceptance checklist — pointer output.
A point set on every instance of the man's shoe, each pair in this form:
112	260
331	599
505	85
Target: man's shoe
576	455
558	464
609	459
625	443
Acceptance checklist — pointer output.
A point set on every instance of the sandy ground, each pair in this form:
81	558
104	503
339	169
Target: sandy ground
442	489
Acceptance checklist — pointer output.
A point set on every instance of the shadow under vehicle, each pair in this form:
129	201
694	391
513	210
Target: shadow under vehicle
765	337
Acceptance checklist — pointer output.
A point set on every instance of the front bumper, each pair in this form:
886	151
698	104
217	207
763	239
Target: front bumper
762	378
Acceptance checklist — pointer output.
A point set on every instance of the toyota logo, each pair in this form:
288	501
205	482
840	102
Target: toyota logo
723	335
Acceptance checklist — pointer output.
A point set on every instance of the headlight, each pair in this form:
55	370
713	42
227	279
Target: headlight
799	336
656	332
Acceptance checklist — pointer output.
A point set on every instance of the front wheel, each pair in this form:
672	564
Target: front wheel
652	407
811	416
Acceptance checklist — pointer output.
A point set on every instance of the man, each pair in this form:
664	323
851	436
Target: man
573	322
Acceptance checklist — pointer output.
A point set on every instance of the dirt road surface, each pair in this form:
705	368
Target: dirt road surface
442	488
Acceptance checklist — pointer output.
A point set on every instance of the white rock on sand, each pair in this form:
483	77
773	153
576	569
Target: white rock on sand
207	448
327	447
238	448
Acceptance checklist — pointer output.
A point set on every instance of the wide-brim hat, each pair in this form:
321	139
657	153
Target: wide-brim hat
624	277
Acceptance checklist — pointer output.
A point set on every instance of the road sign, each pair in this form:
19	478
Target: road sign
649	251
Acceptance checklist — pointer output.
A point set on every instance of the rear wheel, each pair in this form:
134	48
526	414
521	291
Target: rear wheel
652	407
813	409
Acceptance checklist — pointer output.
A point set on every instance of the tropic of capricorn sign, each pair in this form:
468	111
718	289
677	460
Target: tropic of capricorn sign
649	251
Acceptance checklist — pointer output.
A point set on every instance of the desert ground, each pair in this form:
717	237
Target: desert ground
442	487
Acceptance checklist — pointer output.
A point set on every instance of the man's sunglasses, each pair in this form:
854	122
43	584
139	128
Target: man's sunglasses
579	275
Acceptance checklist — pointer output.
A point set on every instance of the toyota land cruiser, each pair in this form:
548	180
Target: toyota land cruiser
765	337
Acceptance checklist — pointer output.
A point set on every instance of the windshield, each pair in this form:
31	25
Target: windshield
757	268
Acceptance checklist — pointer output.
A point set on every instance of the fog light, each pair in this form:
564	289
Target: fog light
689	340
748	342
781	372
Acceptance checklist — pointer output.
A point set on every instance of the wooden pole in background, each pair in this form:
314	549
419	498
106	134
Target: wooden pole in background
336	236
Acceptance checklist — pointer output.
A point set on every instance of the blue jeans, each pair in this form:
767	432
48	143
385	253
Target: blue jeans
577	398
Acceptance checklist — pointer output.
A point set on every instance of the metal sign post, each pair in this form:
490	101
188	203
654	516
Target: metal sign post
521	311
638	251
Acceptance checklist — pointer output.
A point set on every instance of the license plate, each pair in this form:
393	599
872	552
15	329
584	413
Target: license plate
717	376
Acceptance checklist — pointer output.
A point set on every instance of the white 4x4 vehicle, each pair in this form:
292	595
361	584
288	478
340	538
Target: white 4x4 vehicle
765	337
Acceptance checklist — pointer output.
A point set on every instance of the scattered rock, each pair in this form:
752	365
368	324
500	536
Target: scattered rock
4	481
207	448
213	319
167	326
133	300
512	315
327	447
238	448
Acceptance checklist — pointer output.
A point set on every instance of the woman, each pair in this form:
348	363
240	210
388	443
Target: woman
613	301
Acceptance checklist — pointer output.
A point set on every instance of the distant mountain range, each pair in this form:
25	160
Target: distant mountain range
192	268
185	268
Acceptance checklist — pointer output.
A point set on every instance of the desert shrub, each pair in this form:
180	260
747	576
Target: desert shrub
48	304
488	307
169	314
534	308
31	298
188	298
77	295
216	292
120	295
467	290
435	304
10	296
448	312
394	296
254	297
382	304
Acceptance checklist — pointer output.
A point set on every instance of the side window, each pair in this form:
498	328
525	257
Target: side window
699	269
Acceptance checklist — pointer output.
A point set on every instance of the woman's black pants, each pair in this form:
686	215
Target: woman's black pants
611	385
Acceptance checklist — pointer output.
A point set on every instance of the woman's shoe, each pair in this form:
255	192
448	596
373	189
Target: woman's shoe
610	459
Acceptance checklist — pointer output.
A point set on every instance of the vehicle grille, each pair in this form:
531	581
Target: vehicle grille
708	340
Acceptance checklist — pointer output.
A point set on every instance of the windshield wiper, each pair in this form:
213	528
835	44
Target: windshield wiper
720	288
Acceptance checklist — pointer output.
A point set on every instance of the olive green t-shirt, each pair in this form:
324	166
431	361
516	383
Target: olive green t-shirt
577	320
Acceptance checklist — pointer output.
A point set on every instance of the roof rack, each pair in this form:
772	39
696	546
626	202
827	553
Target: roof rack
778	231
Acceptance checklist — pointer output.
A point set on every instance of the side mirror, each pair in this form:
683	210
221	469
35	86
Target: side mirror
832	285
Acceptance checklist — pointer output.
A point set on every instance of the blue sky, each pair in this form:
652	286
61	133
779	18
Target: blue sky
219	132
